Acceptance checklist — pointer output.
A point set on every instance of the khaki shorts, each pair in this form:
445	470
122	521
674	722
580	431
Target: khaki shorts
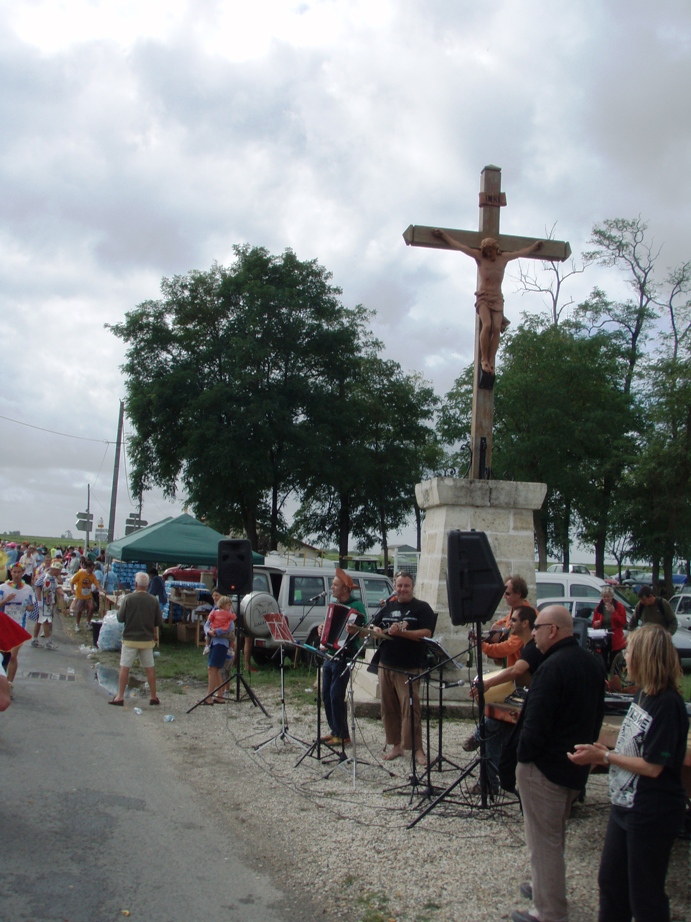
81	605
129	654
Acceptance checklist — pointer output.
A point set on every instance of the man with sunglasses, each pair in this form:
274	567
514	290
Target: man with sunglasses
501	647
566	698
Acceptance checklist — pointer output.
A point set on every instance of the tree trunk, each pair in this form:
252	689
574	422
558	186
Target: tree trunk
250	518
565	541
384	538
601	533
273	535
540	540
343	530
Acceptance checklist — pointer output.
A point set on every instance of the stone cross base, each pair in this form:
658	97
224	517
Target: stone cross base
502	509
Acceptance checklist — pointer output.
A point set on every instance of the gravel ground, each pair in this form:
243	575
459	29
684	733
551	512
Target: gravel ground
343	841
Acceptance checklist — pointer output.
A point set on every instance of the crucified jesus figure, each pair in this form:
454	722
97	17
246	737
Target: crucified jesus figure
489	301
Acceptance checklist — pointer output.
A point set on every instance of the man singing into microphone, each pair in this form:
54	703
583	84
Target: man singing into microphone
406	621
334	672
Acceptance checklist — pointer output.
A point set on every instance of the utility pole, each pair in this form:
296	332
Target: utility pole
116	474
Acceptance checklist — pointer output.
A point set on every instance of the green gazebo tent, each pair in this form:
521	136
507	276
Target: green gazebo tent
183	540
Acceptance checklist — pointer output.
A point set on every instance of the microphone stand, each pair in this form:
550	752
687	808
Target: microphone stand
480	760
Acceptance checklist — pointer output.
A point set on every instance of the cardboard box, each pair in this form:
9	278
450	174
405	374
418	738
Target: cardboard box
187	632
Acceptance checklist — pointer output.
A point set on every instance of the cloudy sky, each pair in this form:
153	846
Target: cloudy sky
144	139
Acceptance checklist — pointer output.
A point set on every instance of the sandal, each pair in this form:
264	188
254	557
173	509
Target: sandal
118	704
207	704
153	701
219	700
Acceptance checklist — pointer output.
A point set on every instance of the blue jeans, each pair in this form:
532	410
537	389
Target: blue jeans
496	733
334	688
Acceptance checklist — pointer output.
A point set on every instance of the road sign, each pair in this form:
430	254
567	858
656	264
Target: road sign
85	521
101	534
134	523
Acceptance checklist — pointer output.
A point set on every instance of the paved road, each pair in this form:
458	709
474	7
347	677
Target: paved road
97	826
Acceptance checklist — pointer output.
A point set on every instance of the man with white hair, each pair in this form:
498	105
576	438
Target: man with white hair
566	700
141	615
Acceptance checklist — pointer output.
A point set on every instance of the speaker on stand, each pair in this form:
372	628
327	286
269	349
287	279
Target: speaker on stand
475	588
235	577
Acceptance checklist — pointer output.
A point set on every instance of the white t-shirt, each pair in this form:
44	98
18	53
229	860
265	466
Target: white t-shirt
24	600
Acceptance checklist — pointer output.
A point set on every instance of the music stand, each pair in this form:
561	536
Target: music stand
316	746
280	632
442	658
346	761
481	759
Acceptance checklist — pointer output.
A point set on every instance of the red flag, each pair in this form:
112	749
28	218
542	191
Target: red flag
11	634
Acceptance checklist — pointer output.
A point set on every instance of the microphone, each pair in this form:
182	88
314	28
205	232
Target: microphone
453	684
319	596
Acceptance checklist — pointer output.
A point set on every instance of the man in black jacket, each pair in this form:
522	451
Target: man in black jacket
565	701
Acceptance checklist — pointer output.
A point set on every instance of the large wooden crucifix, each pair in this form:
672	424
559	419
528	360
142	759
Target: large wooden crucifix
491	256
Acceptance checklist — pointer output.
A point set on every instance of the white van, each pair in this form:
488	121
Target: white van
573	586
302	594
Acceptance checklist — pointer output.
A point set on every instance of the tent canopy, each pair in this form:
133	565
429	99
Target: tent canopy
183	540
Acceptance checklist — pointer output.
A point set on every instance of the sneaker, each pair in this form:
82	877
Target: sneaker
338	741
471	744
329	738
77	629
35	643
51	646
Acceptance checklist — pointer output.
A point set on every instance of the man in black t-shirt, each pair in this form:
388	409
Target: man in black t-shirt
403	623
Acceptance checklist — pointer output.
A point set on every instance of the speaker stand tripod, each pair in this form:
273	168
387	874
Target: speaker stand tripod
237	676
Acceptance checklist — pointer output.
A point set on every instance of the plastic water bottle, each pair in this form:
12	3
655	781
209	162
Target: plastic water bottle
137	711
168	719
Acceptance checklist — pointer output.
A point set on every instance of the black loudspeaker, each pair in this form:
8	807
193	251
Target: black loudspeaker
473	582
235	571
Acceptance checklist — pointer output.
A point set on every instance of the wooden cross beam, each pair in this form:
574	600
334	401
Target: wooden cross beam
491	200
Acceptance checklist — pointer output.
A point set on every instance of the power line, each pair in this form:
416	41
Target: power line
80	438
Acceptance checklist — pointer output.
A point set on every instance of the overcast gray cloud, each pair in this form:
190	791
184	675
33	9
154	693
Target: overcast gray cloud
142	141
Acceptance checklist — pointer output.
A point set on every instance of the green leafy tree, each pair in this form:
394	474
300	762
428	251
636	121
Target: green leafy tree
556	420
222	375
375	439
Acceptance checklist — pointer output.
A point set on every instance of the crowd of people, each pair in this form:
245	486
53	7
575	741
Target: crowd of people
546	758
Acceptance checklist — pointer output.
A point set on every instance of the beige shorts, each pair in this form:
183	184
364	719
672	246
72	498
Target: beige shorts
81	605
129	654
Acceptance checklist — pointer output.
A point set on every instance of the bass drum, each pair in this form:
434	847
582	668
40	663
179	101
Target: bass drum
253	607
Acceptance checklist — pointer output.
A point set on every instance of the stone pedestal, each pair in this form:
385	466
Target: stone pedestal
502	509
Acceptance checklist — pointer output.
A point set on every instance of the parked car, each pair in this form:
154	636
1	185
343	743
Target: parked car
302	594
573	568
681	606
579	608
582	610
637	578
573	586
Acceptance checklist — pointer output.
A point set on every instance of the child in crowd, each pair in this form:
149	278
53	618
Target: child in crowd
220	633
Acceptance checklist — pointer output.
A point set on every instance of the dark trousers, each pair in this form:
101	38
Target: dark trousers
334	688
632	874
